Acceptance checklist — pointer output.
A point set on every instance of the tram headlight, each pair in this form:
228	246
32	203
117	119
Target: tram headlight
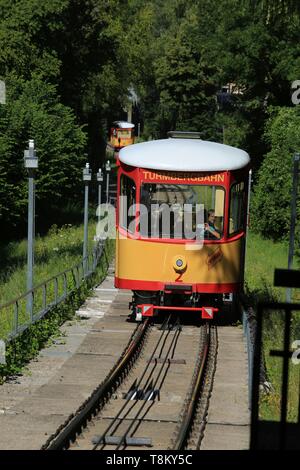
179	263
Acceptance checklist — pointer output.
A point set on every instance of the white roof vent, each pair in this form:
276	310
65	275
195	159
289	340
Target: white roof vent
184	135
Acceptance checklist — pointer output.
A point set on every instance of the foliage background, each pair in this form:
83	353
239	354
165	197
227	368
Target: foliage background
69	66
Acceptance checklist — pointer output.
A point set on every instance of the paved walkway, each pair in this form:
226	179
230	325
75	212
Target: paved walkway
34	405
228	426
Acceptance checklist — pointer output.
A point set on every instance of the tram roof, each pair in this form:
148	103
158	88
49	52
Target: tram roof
184	155
123	125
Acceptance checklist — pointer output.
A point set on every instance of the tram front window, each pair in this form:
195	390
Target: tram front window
124	134
181	211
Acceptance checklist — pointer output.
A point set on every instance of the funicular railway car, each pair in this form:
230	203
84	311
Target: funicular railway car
181	225
121	135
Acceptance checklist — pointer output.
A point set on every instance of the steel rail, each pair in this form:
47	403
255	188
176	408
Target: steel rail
136	417
199	423
186	423
74	426
166	322
144	402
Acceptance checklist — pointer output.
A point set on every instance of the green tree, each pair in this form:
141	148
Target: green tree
33	111
272	193
187	93
173	80
261	58
76	45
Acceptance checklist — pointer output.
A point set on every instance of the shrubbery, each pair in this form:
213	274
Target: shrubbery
272	194
33	110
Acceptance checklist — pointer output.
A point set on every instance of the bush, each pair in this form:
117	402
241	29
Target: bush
33	111
272	194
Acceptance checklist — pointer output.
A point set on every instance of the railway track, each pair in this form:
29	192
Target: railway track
155	396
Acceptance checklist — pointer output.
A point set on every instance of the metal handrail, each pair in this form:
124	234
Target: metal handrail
249	329
51	296
249	336
267	434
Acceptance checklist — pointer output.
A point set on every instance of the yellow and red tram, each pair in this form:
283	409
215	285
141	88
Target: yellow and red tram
181	224
121	135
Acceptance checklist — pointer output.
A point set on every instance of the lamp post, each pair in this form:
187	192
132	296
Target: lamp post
107	169
31	164
87	176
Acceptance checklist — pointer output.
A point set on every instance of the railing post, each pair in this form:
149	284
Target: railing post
55	289
250	352
45	296
16	317
77	278
65	285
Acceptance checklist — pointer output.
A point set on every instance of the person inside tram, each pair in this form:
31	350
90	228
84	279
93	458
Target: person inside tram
210	231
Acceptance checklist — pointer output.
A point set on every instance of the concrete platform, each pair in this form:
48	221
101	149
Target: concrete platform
35	404
228	426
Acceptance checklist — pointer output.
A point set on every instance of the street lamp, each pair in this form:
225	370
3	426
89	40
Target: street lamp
31	164
87	176
107	169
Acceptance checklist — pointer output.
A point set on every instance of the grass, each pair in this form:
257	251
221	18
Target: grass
59	250
263	256
273	339
26	346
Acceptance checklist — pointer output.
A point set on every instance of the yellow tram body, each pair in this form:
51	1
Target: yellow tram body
162	268
121	135
147	265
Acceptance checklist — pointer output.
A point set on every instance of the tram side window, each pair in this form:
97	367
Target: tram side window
127	204
237	208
